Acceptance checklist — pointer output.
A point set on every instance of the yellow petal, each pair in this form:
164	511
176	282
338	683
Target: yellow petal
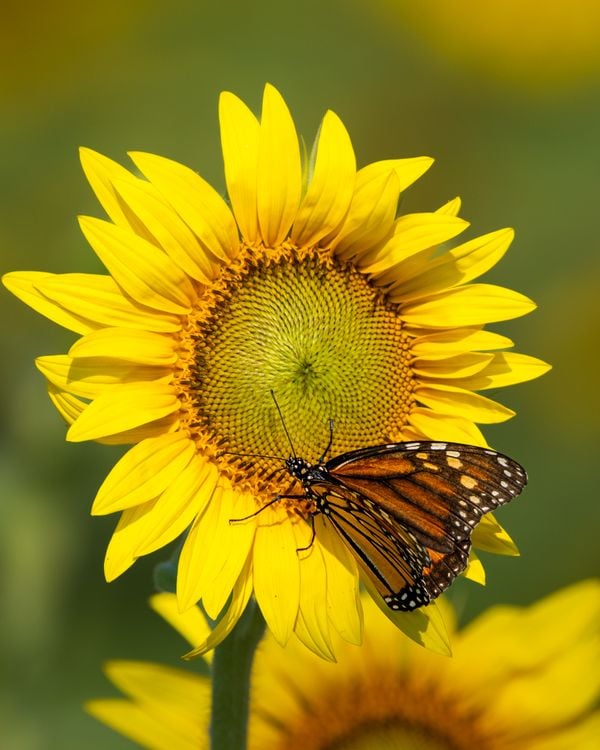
459	366
168	708
215	551
222	568
433	426
91	378
373	208
144	472
413	233
151	430
410	266
564	618
159	686
506	368
145	728
425	626
370	217
330	191
119	555
192	625
568	687
240	137
489	536
277	573
458	266
166	229
469	305
447	399
25	286
550	646
139	524
344	608
312	627
144	347
196	202
140	268
474	570
178	505
407	171
200	554
122	408
312	639
102	173
451	208
573	612
458	340
97	301
240	597
279	173
583	735
68	406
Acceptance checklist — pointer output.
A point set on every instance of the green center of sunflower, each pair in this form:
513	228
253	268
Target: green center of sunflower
316	335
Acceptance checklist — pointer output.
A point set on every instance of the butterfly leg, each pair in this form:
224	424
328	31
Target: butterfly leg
313	534
276	499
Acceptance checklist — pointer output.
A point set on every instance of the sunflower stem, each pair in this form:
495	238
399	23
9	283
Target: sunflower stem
231	668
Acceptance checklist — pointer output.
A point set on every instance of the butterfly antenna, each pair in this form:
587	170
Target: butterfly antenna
287	434
250	455
330	443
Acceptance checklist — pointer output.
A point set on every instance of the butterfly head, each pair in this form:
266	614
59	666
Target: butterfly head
298	468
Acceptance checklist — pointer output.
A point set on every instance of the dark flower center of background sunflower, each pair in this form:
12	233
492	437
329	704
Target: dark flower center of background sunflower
322	338
384	708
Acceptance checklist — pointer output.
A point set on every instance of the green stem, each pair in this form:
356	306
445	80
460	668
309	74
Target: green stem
231	667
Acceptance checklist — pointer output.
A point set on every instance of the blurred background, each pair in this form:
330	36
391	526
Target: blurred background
506	100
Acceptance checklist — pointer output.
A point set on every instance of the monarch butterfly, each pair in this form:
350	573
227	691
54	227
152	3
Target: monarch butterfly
407	510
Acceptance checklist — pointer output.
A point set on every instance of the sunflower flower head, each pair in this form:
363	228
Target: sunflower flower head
521	678
305	286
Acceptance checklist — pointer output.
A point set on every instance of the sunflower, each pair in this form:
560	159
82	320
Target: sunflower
305	285
520	679
509	42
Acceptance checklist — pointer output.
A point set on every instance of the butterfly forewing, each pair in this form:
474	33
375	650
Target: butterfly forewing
438	490
407	510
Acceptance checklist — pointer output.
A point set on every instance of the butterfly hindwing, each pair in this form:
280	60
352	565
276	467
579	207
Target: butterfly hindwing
387	553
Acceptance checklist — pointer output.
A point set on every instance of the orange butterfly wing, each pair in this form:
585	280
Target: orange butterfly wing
423	497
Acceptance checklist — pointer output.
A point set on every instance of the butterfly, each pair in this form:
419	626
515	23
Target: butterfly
407	510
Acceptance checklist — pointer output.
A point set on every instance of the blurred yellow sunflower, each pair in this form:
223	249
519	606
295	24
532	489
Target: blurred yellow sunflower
541	52
521	679
305	284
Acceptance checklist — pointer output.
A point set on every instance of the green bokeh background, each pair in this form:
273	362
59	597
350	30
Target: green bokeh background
519	147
